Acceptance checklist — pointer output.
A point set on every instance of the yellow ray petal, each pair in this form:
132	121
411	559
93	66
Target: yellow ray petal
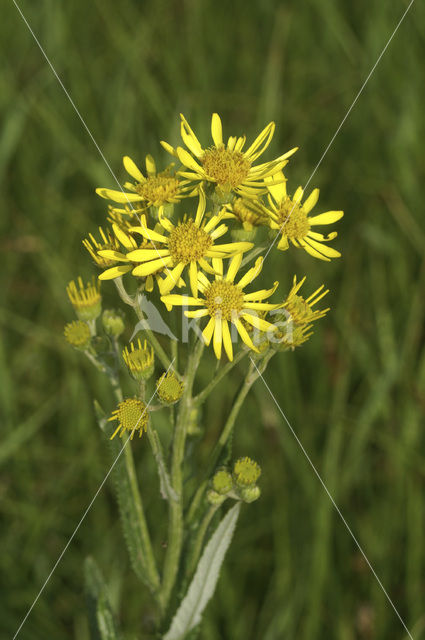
127	241
144	255
150	234
251	274
323	248
262	294
227	340
326	218
172	279
201	207
311	201
112	255
264	139
218	337
208	331
118	196
198	313
150	165
187	160
178	300
216	130
114	272
168	148
298	195
278	191
133	169
259	323
234	265
193	278
244	334
150	267
189	138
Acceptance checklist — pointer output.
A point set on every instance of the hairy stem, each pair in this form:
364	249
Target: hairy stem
175	529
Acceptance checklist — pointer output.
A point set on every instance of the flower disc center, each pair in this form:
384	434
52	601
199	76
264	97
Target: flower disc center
188	242
293	219
224	300
159	189
226	167
132	414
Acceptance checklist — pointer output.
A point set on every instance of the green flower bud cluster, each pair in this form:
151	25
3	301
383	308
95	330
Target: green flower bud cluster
239	485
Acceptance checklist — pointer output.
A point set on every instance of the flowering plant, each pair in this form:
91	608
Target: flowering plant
183	239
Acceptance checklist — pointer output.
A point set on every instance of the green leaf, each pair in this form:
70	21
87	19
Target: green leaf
101	618
204	581
167	491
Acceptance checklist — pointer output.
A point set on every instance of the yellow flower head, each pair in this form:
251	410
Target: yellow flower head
246	472
222	481
291	336
169	388
227	166
86	300
186	245
293	223
139	360
155	189
300	310
108	241
247	213
124	260
132	415
225	301
77	333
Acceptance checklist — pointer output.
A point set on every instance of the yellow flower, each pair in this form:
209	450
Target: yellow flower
77	333
300	309
224	301
155	189
291	337
293	223
139	360
227	166
86	300
246	472
132	415
247	213
130	246
107	242
186	244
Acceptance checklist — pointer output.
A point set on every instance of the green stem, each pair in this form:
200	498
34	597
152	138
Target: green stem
175	531
148	558
152	339
249	380
200	398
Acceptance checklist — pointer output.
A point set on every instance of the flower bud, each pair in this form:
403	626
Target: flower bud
139	360
246	472
222	481
86	300
169	388
249	494
215	498
113	322
77	333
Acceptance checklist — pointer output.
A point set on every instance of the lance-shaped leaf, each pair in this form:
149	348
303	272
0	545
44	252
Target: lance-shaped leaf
204	581
101	617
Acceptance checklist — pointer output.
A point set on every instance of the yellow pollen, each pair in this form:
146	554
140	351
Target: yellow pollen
132	415
159	189
224	300
227	168
293	220
188	242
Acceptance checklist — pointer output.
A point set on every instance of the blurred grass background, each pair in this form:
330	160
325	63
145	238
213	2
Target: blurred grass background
354	394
